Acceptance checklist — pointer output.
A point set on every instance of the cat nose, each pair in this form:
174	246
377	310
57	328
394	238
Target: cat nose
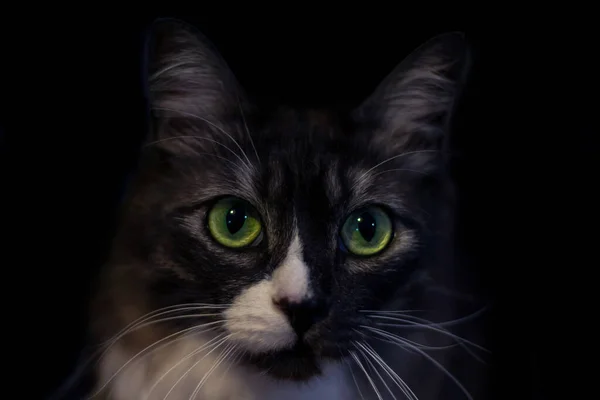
302	315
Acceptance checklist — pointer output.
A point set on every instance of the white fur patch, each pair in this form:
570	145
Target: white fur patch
254	320
226	382
256	323
291	281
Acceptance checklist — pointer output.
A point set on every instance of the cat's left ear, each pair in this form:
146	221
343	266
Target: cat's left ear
412	107
187	79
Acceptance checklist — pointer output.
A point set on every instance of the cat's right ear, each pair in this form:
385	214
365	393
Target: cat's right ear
411	110
187	79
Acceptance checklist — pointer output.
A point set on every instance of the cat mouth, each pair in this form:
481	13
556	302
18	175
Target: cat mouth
298	363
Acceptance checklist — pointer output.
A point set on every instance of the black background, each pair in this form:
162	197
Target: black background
74	114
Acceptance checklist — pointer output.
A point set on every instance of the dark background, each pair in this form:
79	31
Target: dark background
74	114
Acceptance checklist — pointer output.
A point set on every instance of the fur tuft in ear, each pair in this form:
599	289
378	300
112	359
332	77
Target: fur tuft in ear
193	95
412	107
187	74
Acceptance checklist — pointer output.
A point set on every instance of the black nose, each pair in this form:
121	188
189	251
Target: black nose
302	315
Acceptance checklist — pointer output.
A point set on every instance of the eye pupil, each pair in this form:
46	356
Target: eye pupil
367	226
236	217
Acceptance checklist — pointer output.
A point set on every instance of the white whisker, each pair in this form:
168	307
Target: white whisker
163	311
406	390
183	359
193	328
103	347
222	357
176	317
420	345
366	357
360	179
427	348
355	357
400	169
459	340
431	327
249	164
427	356
186	373
236	356
179	137
390	311
452	322
145	323
248	131
354	378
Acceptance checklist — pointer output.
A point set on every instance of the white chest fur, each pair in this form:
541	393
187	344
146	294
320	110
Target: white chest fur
140	379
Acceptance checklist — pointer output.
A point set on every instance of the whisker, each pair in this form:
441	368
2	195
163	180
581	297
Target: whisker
406	390
248	131
355	357
179	137
176	317
427	356
401	169
390	311
388	160
103	347
183	359
168	309
428	348
196	328
461	342
365	356
221	341
222	357
452	322
172	309
249	164
431	327
143	324
354	378
236	356
160	72
204	153
420	345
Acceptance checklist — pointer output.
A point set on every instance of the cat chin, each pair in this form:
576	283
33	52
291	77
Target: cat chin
298	364
154	376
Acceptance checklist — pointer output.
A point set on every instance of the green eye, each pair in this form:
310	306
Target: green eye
234	223
368	231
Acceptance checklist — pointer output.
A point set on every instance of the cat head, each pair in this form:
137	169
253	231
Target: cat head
284	224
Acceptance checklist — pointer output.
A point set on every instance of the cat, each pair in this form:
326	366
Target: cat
275	248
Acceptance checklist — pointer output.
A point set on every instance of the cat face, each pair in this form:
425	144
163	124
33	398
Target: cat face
291	223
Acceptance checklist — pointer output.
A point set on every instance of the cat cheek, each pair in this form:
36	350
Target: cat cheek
255	323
